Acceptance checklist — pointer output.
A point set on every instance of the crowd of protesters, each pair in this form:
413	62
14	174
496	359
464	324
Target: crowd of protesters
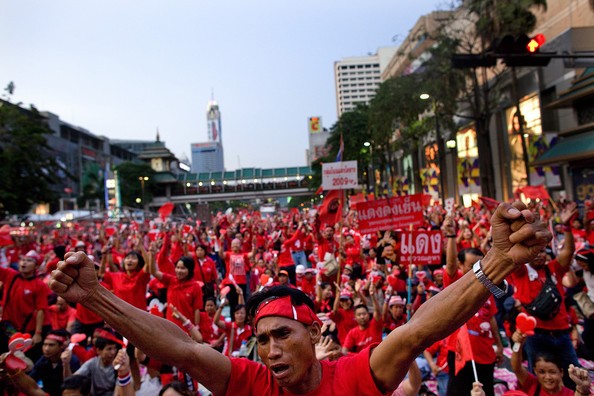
200	275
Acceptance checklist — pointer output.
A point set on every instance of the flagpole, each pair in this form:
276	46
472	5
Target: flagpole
409	281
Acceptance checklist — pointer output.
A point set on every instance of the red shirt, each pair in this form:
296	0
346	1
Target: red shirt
527	290
186	296
239	334
479	328
205	270
237	265
347	376
209	330
530	388
440	348
357	339
130	288
309	286
27	297
59	320
345	321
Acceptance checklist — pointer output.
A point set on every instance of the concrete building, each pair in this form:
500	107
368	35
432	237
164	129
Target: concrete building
357	78
208	156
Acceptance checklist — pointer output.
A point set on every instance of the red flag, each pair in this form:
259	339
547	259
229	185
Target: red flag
475	205
331	208
426	199
319	190
463	348
165	210
490	203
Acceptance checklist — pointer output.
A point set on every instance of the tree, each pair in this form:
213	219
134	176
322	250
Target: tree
129	174
474	26
393	120
28	167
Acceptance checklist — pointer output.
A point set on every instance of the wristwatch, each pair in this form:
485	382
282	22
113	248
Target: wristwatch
497	291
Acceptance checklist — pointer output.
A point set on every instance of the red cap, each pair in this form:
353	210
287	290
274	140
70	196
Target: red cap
32	254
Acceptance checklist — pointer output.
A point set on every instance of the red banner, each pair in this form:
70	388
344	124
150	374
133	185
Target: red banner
390	214
425	247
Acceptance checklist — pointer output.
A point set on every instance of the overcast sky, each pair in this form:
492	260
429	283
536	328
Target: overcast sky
122	69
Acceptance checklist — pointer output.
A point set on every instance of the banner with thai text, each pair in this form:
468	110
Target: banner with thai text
390	213
421	247
340	175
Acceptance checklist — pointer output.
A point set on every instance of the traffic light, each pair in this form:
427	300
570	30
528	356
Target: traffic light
521	50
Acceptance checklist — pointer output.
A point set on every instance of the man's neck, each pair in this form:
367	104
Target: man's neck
312	381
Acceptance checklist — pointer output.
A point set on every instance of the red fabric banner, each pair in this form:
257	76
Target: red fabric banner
534	192
331	208
390	213
490	203
165	210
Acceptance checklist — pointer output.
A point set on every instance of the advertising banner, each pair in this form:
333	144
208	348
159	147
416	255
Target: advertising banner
339	175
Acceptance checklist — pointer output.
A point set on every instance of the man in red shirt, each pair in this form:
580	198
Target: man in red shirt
368	331
237	266
550	334
287	329
482	328
24	300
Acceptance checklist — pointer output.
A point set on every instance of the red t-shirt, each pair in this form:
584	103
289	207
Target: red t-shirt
345	321
130	288
357	339
209	330
347	376
239	335
479	328
308	286
186	296
237	265
205	270
59	320
440	349
527	290
27	297
530	388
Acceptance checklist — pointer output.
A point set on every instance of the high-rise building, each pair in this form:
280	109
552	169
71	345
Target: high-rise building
208	156
357	78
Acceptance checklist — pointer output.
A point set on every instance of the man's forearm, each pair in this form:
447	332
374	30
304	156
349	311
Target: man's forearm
162	340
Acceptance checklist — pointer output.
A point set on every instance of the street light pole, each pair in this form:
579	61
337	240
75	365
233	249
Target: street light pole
370	181
440	148
143	179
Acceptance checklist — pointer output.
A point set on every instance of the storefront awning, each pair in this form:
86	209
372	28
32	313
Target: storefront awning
573	148
582	88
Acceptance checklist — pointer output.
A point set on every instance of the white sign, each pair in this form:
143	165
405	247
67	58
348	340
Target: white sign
339	175
449	205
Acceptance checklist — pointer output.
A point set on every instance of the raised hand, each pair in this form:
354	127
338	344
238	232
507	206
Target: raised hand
449	226
581	378
75	278
568	212
517	233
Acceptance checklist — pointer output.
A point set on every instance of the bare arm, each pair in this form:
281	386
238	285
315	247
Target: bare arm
413	383
75	280
449	229
566	253
517	238
516	358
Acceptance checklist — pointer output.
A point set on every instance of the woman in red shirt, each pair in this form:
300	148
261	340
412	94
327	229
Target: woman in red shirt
236	331
182	291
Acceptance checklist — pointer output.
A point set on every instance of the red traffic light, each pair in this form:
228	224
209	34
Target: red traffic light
535	43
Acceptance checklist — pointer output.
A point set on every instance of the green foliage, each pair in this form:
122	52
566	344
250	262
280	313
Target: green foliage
130	184
28	168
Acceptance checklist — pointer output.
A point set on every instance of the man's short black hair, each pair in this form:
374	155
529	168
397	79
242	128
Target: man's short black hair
77	382
365	307
297	298
462	253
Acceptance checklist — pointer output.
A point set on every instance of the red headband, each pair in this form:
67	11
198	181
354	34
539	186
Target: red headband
56	337
108	336
283	306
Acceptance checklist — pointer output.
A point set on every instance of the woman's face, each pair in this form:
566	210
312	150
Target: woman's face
181	272
131	262
200	253
239	316
210	307
549	376
467	233
327	292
